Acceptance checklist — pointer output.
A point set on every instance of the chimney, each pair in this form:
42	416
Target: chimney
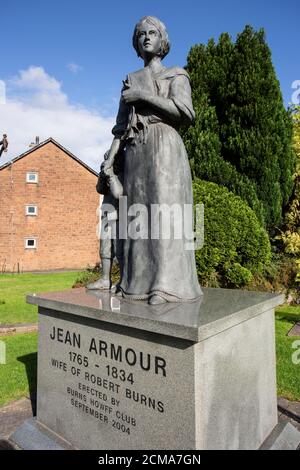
33	144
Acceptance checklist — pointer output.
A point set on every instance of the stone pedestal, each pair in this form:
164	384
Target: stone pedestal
114	374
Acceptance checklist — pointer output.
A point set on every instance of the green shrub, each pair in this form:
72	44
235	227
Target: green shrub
279	276
93	274
238	275
235	244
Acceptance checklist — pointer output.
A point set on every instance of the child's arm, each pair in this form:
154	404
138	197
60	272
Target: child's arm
115	148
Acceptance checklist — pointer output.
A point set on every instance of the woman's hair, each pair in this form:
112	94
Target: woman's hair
165	43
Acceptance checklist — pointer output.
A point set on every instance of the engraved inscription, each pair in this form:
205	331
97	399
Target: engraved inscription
106	378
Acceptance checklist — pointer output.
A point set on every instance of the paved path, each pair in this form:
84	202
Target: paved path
289	411
17	328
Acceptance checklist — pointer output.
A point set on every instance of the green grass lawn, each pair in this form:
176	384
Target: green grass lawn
288	312
18	375
15	287
288	374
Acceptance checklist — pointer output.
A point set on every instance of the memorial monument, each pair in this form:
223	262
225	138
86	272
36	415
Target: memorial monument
3	144
160	364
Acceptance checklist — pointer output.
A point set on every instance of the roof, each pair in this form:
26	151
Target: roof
41	145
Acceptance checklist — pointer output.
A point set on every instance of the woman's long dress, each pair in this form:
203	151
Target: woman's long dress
157	172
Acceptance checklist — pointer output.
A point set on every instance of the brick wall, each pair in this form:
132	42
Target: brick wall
65	227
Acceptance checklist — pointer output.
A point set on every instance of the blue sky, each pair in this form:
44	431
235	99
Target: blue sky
81	51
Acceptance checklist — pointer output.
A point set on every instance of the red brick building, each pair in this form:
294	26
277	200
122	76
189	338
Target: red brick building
48	211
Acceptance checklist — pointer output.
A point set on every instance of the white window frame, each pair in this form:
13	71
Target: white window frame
34	214
28	180
31	247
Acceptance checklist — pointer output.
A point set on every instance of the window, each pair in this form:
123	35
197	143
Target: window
31	210
32	177
30	243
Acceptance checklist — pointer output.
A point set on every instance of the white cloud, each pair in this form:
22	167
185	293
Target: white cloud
35	78
2	92
37	106
74	68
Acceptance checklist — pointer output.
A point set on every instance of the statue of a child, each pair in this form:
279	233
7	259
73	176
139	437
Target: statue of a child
110	186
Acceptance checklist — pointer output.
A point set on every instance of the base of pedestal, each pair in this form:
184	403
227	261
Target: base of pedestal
32	436
283	437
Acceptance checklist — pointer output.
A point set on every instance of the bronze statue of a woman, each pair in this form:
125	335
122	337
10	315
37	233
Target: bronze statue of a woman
155	101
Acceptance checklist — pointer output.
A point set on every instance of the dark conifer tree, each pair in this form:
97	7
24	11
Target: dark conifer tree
242	137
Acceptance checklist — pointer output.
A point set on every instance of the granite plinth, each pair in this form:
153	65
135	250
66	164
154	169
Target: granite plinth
114	374
215	311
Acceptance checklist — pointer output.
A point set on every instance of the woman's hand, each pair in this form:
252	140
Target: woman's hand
107	167
133	96
163	105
